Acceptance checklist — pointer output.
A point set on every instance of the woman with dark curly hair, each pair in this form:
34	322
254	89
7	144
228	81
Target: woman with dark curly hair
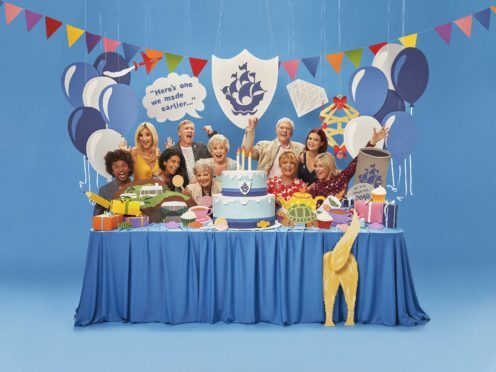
172	163
120	165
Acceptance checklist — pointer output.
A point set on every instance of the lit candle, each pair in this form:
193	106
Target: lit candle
242	158
237	159
249	160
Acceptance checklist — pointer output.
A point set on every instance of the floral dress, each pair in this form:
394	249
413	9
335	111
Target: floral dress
275	186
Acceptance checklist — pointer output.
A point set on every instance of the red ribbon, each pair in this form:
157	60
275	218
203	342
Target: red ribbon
340	152
340	102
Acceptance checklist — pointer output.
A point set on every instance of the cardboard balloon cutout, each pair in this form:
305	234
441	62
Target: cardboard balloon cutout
358	133
99	143
385	58
306	97
173	97
94	88
74	78
244	85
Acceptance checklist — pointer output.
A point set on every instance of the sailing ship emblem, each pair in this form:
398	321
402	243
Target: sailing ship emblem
371	176
244	85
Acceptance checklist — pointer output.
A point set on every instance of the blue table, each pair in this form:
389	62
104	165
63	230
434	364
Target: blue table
275	276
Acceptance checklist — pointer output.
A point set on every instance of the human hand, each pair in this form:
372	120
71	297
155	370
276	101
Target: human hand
252	122
169	143
208	129
379	135
187	191
123	145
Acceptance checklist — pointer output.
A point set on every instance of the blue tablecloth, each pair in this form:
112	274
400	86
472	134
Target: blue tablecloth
275	276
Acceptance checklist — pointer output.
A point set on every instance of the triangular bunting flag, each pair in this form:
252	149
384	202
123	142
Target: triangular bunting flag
51	25
493	8
410	41
335	61
173	60
91	41
110	45
376	47
465	24
445	32
32	19
484	18
1	3
129	51
311	64
11	12
291	67
355	56
156	55
197	65
73	34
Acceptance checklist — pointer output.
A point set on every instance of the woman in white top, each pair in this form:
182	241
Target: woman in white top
206	185
218	145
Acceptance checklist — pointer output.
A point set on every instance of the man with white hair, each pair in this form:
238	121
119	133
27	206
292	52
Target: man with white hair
267	152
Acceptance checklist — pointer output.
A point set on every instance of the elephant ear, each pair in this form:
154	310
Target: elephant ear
341	252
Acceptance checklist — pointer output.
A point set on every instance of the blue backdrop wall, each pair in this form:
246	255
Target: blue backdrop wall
45	218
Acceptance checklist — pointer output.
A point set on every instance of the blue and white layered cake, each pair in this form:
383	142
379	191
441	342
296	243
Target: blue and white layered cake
244	201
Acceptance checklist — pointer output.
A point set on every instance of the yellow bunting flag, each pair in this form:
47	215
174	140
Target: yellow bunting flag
73	34
335	61
410	41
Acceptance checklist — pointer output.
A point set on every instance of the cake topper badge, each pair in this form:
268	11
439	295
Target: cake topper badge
178	181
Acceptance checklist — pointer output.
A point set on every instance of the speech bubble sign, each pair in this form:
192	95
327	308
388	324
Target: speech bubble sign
174	96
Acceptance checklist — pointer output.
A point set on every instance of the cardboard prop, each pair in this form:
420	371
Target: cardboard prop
306	97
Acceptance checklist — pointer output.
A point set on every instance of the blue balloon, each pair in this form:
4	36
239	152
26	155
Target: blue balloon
83	122
393	103
402	134
368	90
113	62
410	74
74	78
119	107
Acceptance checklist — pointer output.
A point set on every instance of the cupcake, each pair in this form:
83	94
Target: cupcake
379	194
188	217
324	220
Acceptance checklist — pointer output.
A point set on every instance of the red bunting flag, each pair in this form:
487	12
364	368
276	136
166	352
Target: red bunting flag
51	25
376	47
197	65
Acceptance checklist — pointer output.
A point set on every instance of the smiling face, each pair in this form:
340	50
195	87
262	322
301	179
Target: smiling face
186	133
204	178
172	165
284	132
219	152
321	170
145	139
288	168
314	142
120	171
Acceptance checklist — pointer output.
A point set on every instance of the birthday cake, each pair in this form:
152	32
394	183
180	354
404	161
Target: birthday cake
244	201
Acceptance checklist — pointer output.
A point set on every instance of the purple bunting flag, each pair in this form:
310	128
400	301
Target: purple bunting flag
91	41
484	18
32	19
311	64
445	32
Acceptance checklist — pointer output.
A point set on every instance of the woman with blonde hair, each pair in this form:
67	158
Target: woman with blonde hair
286	184
331	181
145	153
206	185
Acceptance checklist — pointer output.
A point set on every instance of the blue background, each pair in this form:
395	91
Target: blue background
448	222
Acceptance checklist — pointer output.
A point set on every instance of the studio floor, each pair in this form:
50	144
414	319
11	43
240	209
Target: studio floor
37	334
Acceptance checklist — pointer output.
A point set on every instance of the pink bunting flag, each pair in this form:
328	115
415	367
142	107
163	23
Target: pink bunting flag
11	12
32	19
465	24
445	32
110	45
291	67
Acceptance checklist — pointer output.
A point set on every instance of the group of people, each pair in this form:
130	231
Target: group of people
291	166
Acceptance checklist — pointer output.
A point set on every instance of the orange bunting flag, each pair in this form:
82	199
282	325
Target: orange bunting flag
493	8
335	61
197	65
155	56
11	12
110	45
465	24
51	26
73	34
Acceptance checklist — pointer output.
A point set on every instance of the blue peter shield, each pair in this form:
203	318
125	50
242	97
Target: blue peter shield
244	85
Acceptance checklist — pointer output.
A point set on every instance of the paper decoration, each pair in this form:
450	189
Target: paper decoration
306	97
410	41
174	96
340	268
311	64
82	123
11	12
376	47
73	34
465	24
484	18
355	56
91	41
361	191
51	26
335	61
385	58
402	134
110	45
444	31
358	133
244	85
197	65
129	51
93	89
333	125
32	19
172	60
291	67
99	143
372	166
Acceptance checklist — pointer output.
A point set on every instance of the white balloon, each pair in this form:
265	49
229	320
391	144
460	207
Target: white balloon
97	146
358	132
384	60
93	89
